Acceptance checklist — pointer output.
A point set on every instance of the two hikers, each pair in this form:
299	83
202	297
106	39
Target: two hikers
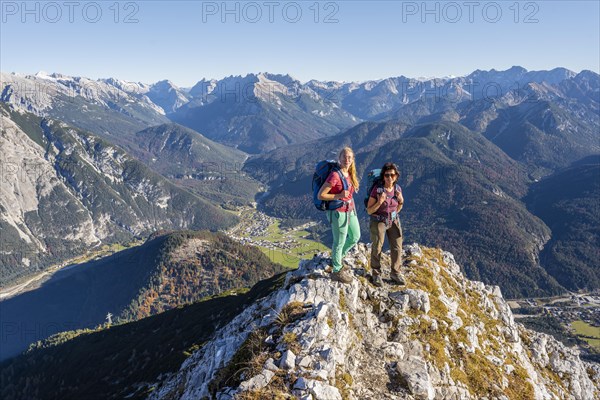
335	196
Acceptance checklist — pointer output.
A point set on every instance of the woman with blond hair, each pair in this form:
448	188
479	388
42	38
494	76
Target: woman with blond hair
343	220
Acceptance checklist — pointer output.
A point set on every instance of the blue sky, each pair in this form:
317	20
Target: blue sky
185	41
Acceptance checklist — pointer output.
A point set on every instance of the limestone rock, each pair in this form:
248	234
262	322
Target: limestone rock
257	382
321	390
414	372
288	360
381	343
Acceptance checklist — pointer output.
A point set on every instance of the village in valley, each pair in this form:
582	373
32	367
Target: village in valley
286	246
577	313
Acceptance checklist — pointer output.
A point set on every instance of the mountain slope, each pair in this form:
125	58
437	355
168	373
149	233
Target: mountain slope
168	96
113	363
261	112
190	149
568	202
189	159
461	192
169	270
441	336
68	191
545	135
109	108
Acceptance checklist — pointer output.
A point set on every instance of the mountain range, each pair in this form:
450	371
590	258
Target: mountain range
502	168
470	149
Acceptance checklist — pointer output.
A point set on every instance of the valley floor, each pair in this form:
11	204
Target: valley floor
286	246
34	281
572	318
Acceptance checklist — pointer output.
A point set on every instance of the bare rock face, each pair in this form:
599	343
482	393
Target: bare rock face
65	191
439	337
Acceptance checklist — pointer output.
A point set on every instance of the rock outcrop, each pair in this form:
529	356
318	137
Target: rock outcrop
439	337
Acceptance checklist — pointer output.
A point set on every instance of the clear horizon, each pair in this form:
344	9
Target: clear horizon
351	41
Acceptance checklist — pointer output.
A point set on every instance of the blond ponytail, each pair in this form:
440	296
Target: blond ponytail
352	169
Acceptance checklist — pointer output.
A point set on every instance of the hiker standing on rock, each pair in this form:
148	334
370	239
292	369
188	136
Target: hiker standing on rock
384	205
343	219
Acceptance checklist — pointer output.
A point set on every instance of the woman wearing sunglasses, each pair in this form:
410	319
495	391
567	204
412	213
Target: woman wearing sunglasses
385	203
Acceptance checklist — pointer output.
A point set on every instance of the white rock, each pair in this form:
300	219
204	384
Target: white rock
418	299
472	336
414	372
495	360
400	299
394	350
270	365
288	360
434	325
457	322
413	250
305	362
257	382
321	390
322	309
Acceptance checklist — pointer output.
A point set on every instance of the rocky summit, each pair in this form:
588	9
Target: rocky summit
440	336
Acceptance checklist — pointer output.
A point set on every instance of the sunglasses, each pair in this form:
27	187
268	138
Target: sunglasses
389	175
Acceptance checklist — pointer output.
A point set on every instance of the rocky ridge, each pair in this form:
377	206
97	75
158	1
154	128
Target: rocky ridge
439	337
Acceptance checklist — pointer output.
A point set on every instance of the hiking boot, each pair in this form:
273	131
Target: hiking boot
377	281
397	278
341	276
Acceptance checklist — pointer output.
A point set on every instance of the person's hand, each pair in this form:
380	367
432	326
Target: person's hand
398	194
343	194
382	198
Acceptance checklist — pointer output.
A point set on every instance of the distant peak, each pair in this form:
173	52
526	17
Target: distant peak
165	83
516	68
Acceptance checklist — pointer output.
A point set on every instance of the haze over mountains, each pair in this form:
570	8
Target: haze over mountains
470	148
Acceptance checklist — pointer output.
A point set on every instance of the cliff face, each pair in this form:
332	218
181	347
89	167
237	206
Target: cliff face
65	191
439	337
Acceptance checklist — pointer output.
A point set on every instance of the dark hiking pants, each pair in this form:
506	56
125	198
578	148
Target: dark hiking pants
394	234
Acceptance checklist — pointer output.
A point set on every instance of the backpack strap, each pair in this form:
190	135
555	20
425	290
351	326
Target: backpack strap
397	188
345	185
343	178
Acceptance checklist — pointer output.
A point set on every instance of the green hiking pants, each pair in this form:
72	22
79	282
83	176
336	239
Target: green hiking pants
346	233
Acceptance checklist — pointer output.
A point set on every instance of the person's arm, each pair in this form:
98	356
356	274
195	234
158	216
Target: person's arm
374	204
325	195
400	199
